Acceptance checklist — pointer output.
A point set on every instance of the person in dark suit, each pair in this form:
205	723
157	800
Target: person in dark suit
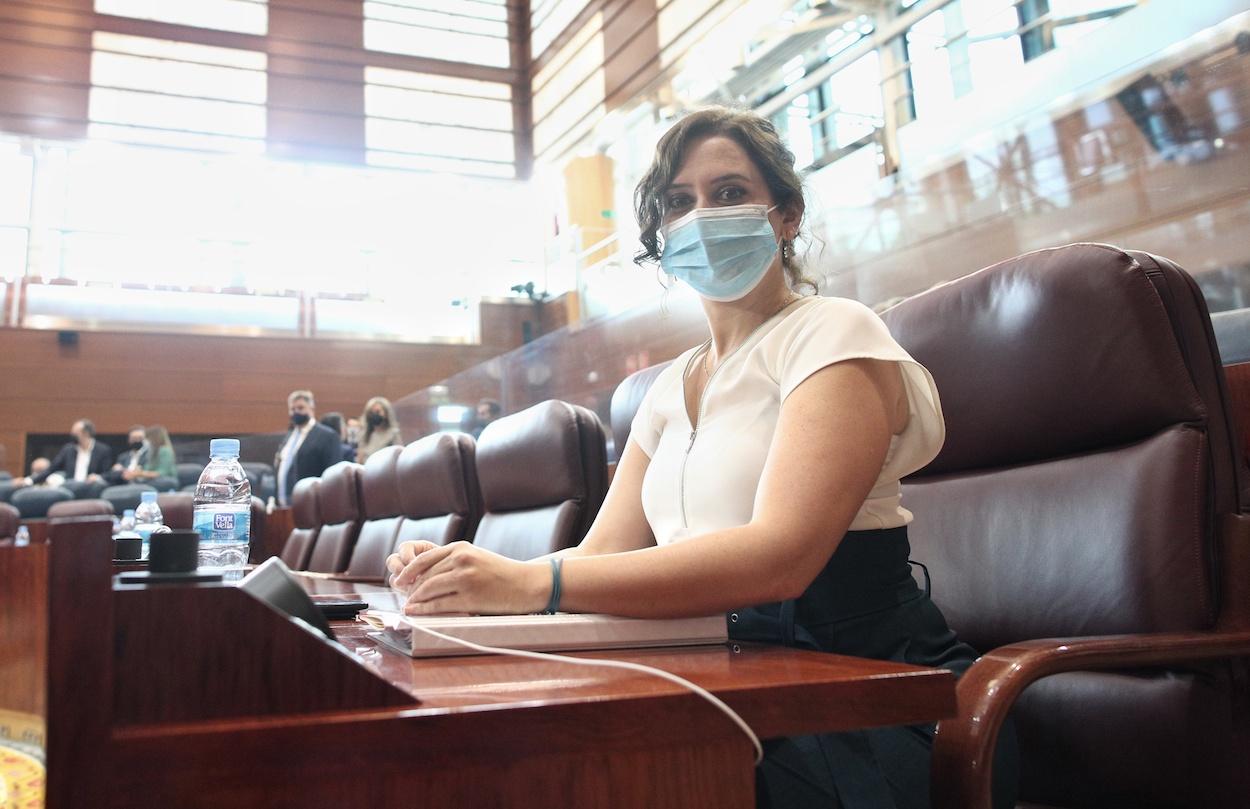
83	459
135	456
308	449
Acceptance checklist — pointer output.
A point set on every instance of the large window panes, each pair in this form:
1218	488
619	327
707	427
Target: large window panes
243	16
400	255
474	31
438	123
548	18
176	94
15	187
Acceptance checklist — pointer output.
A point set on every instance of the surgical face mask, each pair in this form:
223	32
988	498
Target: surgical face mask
299	419
135	446
722	253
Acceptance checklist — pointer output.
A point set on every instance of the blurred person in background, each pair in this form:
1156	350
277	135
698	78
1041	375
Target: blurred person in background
132	459
83	459
308	449
335	422
160	461
381	428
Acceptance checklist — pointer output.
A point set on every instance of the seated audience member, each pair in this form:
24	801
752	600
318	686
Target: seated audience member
132	459
83	459
159	461
487	411
39	466
308	449
335	422
381	428
354	432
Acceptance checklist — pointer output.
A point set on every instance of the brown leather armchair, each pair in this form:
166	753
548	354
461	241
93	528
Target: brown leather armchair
543	475
379	492
438	489
339	499
1086	523
80	508
306	512
10	519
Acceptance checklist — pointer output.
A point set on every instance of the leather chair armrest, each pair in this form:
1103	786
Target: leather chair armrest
963	750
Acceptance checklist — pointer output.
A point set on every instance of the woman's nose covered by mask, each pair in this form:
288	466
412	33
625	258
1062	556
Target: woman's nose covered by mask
722	253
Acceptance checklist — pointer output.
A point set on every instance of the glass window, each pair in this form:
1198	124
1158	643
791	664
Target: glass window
434	123
15	176
12	252
243	16
548	19
176	94
476	31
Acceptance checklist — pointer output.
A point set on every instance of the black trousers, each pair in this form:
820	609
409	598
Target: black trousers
864	603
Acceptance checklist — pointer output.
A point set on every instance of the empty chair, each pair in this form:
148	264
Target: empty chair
85	490
5	475
33	502
543	475
189	475
10	519
339	499
80	508
379	492
6	491
625	401
438	489
262	478
1088	492
306	510
125	496
178	511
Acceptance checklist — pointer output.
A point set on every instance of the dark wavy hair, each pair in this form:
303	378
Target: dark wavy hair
758	138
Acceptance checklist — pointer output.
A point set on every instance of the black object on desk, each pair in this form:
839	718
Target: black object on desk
173	557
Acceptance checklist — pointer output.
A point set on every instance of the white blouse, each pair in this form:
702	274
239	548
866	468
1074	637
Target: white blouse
708	480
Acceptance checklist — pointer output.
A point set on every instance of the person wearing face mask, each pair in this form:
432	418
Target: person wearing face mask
84	459
761	475
381	429
132	459
308	449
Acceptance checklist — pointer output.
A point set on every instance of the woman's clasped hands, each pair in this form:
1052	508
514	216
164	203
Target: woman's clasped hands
462	578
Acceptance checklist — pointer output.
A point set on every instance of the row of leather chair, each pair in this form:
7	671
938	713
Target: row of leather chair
531	484
33	502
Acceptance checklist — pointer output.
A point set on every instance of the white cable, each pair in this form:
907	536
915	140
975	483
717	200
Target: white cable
617	664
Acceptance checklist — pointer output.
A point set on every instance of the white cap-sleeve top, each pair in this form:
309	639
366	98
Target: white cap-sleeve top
707	480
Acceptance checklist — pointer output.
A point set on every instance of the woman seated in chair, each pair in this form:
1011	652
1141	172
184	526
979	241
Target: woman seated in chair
160	461
762	471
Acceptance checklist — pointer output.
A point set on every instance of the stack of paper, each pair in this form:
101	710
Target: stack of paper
540	633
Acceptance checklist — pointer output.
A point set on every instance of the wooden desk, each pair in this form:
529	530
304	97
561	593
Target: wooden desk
377	729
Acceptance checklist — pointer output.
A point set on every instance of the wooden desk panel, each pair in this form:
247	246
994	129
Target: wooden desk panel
482	731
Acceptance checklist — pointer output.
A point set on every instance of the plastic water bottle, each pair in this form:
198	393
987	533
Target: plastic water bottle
223	507
128	520
148	518
23	536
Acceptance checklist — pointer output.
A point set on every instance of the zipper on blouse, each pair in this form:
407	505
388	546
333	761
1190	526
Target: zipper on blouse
698	414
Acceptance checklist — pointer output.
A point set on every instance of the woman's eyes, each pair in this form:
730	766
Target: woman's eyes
729	194
676	202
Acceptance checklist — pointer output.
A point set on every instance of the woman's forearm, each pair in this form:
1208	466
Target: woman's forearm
704	575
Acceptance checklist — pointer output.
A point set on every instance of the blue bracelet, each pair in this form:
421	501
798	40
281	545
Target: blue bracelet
553	603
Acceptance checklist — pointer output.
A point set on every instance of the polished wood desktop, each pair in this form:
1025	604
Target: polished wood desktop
175	706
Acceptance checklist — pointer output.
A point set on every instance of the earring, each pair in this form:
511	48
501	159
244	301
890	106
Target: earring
787	249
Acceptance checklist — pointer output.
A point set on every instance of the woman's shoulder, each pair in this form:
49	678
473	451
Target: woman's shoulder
831	323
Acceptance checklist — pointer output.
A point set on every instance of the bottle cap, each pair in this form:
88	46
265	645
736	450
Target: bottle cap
223	446
148	497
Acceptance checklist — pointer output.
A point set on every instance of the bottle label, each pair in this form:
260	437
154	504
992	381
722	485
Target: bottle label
225	524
